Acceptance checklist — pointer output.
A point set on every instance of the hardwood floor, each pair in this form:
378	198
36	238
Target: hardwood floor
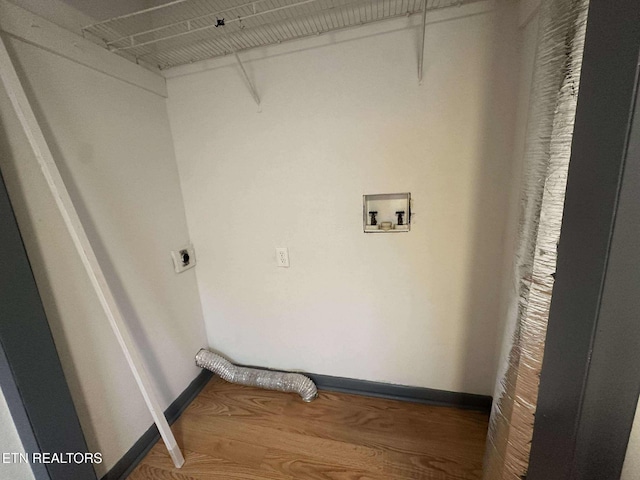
240	433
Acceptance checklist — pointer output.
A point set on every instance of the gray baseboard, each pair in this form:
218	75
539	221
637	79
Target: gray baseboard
149	438
403	393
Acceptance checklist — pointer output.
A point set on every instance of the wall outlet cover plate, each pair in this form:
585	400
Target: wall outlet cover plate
184	258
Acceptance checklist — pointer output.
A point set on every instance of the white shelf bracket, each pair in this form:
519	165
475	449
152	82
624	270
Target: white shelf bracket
42	152
421	53
252	89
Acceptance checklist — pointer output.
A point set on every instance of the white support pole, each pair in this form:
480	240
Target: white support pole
254	94
41	150
424	31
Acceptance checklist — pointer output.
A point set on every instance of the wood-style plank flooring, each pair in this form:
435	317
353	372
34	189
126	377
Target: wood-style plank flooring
240	433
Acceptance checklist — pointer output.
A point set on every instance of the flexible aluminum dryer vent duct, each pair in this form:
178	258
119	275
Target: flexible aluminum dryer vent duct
254	377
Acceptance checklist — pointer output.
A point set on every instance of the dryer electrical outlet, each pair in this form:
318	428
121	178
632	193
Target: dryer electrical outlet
184	258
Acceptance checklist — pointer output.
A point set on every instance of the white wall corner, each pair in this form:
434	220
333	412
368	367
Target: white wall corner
26	26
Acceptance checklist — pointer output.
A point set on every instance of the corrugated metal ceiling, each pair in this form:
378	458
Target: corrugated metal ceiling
186	31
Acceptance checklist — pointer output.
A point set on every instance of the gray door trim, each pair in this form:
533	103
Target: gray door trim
31	376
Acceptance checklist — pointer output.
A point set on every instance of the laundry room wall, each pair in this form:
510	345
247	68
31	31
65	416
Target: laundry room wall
343	115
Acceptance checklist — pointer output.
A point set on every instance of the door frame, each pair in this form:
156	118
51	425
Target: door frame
31	375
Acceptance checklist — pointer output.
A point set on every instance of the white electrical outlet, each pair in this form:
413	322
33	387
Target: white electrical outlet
183	258
282	257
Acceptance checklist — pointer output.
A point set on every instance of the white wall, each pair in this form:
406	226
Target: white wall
112	142
10	443
343	115
58	12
